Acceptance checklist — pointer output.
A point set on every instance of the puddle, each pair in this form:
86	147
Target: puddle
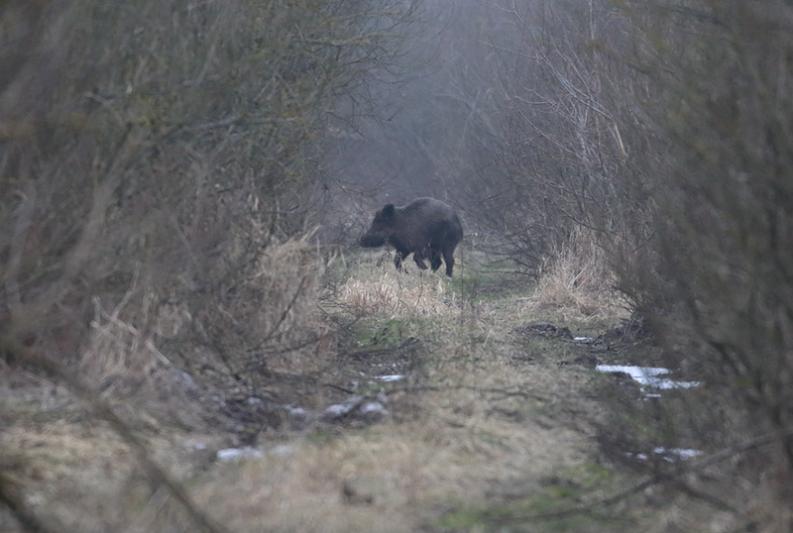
237	454
391	378
671	454
648	376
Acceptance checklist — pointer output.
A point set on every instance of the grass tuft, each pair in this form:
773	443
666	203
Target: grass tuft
380	289
576	282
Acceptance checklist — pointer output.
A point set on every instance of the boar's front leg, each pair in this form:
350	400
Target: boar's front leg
435	259
418	257
398	257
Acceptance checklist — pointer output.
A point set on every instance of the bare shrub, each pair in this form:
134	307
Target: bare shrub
723	218
172	143
159	173
266	317
702	215
115	347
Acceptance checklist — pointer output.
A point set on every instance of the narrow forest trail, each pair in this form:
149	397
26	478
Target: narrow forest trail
441	411
487	424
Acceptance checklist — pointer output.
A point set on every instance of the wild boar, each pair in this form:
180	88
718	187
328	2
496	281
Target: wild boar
426	228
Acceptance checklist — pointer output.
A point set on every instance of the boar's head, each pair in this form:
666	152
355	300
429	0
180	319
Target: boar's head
382	228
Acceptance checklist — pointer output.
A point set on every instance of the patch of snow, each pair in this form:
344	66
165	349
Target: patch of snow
667	384
236	454
197	445
341	409
680	453
296	411
391	378
338	409
648	376
253	401
282	450
184	379
583	339
373	408
670	455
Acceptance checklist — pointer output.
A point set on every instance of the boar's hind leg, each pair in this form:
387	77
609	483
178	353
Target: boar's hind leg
418	257
448	257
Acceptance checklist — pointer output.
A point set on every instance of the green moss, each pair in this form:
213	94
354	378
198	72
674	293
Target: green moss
388	333
462	520
320	437
535	512
487	283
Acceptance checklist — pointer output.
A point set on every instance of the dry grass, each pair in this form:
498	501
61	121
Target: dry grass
122	346
275	310
380	289
577	283
390	478
79	475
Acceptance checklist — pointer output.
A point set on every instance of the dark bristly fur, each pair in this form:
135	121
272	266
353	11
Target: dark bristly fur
426	227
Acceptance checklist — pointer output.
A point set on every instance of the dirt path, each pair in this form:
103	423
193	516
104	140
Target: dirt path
441	412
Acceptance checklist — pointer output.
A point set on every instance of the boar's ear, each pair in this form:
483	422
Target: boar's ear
388	210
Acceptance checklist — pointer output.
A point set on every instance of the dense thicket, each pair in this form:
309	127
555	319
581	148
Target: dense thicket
166	151
721	202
